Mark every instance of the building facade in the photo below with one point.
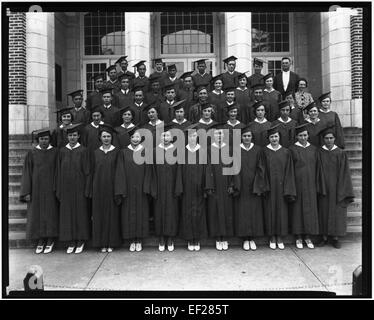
(51, 54)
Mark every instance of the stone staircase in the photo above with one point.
(19, 145)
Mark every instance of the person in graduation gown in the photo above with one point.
(90, 134)
(121, 137)
(129, 184)
(242, 97)
(248, 115)
(331, 117)
(222, 109)
(112, 83)
(154, 96)
(220, 201)
(304, 211)
(160, 183)
(172, 78)
(187, 92)
(217, 95)
(141, 80)
(232, 122)
(124, 96)
(80, 113)
(337, 193)
(201, 78)
(138, 106)
(106, 229)
(197, 109)
(193, 185)
(38, 190)
(122, 63)
(260, 125)
(276, 182)
(302, 97)
(257, 76)
(154, 122)
(248, 210)
(286, 125)
(72, 190)
(59, 136)
(95, 98)
(230, 77)
(159, 71)
(166, 109)
(109, 111)
(179, 121)
(206, 120)
(272, 96)
(297, 113)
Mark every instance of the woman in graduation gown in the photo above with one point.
(248, 210)
(59, 137)
(217, 95)
(220, 201)
(106, 230)
(243, 97)
(121, 137)
(277, 184)
(72, 190)
(38, 189)
(90, 135)
(129, 184)
(193, 184)
(160, 184)
(260, 125)
(304, 211)
(154, 122)
(337, 192)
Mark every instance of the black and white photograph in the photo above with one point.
(197, 150)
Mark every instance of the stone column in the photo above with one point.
(137, 37)
(239, 39)
(40, 71)
(336, 62)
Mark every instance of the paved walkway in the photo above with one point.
(322, 269)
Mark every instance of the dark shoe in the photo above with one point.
(336, 243)
(322, 243)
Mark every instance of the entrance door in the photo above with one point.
(189, 64)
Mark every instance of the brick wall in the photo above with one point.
(17, 58)
(356, 54)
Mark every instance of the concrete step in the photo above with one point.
(17, 211)
(357, 181)
(355, 161)
(16, 160)
(355, 206)
(355, 170)
(353, 137)
(354, 218)
(357, 191)
(352, 130)
(17, 224)
(15, 187)
(353, 144)
(15, 176)
(14, 198)
(18, 152)
(353, 153)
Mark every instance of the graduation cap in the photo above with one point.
(168, 86)
(258, 62)
(172, 66)
(283, 103)
(310, 106)
(157, 60)
(232, 107)
(228, 89)
(273, 129)
(217, 77)
(247, 128)
(192, 127)
(97, 108)
(287, 93)
(217, 125)
(150, 106)
(168, 127)
(98, 76)
(73, 128)
(201, 61)
(76, 93)
(154, 78)
(132, 130)
(138, 88)
(265, 77)
(121, 59)
(258, 104)
(199, 88)
(110, 68)
(178, 105)
(329, 129)
(41, 133)
(242, 75)
(257, 86)
(63, 111)
(231, 58)
(186, 75)
(324, 96)
(107, 128)
(125, 109)
(106, 90)
(301, 128)
(137, 65)
(205, 105)
(124, 76)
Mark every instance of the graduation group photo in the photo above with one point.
(186, 150)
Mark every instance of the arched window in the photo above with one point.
(186, 32)
(104, 33)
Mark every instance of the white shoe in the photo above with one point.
(110, 249)
(246, 245)
(79, 249)
(70, 250)
(197, 246)
(103, 250)
(225, 245)
(309, 243)
(161, 247)
(138, 247)
(171, 247)
(190, 247)
(219, 245)
(252, 244)
(132, 247)
(273, 245)
(299, 244)
(39, 249)
(280, 245)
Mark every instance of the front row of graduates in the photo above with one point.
(305, 187)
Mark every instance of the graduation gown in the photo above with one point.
(59, 137)
(255, 79)
(332, 118)
(220, 202)
(38, 181)
(192, 183)
(166, 111)
(201, 80)
(297, 114)
(106, 230)
(129, 184)
(154, 130)
(160, 184)
(216, 99)
(304, 211)
(248, 210)
(196, 113)
(122, 138)
(72, 190)
(140, 117)
(82, 115)
(337, 192)
(90, 137)
(152, 98)
(287, 132)
(273, 98)
(181, 126)
(141, 82)
(314, 130)
(260, 135)
(121, 99)
(243, 99)
(222, 115)
(230, 80)
(189, 96)
(112, 85)
(276, 182)
(93, 100)
(111, 115)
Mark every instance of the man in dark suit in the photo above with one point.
(286, 80)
